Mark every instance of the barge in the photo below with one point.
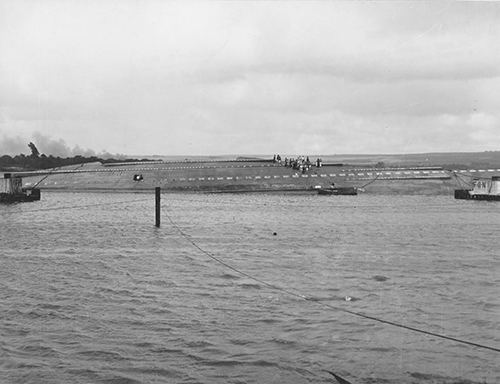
(12, 191)
(481, 190)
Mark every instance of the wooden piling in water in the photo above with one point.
(157, 206)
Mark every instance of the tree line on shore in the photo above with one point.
(37, 160)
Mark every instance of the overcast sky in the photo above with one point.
(242, 77)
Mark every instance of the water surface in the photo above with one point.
(92, 292)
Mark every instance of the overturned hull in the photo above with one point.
(239, 176)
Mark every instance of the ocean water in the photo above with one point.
(92, 292)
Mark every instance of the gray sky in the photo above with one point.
(303, 77)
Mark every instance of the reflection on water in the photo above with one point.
(97, 294)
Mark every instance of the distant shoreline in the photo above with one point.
(449, 160)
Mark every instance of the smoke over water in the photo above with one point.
(15, 145)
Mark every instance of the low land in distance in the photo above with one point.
(449, 160)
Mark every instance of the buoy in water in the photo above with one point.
(380, 278)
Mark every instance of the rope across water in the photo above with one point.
(321, 303)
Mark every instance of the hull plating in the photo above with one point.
(237, 176)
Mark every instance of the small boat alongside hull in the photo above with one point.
(345, 191)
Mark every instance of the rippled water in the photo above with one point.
(97, 294)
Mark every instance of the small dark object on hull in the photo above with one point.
(350, 191)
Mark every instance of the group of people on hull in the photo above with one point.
(300, 163)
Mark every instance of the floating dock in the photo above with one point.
(482, 190)
(12, 191)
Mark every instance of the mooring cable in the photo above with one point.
(371, 181)
(461, 182)
(52, 172)
(321, 303)
(465, 174)
(459, 177)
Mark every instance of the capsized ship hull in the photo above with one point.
(237, 176)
